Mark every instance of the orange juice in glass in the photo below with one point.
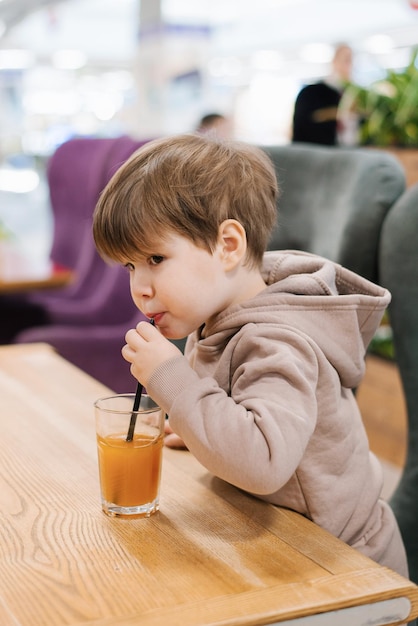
(129, 470)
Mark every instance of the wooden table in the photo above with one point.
(212, 555)
(50, 279)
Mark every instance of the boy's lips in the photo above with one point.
(156, 317)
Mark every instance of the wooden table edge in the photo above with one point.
(278, 602)
(58, 278)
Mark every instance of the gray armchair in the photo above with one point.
(350, 205)
(334, 201)
(398, 262)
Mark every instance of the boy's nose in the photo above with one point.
(140, 287)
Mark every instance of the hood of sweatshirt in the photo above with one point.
(332, 306)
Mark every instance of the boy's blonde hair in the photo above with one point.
(186, 185)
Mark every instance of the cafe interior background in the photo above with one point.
(148, 68)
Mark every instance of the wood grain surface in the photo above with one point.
(212, 555)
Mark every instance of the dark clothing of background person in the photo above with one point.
(315, 114)
(316, 117)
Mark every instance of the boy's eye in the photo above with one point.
(155, 259)
(129, 267)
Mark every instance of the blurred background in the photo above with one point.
(148, 68)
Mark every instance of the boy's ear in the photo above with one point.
(232, 242)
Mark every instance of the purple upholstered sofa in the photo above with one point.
(89, 318)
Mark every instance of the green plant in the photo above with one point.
(382, 342)
(388, 109)
(4, 232)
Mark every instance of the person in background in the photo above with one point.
(262, 395)
(216, 124)
(316, 116)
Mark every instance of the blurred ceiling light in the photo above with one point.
(267, 60)
(69, 59)
(114, 80)
(49, 102)
(379, 44)
(228, 66)
(317, 53)
(18, 181)
(122, 80)
(104, 111)
(398, 58)
(103, 105)
(16, 59)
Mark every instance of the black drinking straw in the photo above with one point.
(137, 402)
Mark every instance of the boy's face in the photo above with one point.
(181, 286)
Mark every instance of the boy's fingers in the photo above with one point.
(167, 428)
(147, 330)
(144, 330)
(174, 441)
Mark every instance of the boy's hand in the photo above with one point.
(146, 349)
(171, 440)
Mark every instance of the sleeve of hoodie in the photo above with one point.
(255, 437)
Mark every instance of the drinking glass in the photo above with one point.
(129, 464)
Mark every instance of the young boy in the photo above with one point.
(276, 341)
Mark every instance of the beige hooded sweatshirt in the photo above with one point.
(263, 398)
